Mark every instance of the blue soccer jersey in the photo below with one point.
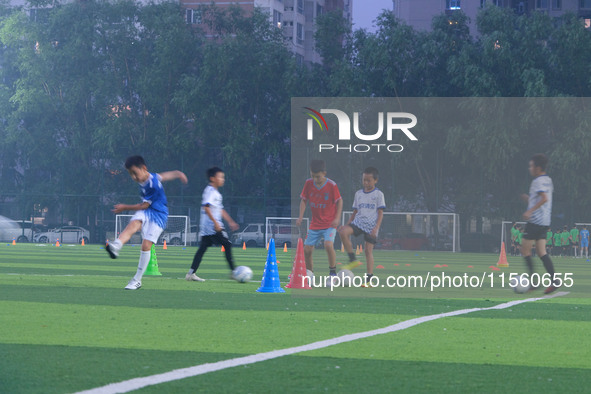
(584, 234)
(152, 192)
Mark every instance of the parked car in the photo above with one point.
(65, 234)
(478, 242)
(410, 241)
(254, 235)
(176, 238)
(21, 231)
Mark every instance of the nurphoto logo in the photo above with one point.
(395, 123)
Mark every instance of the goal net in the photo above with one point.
(414, 231)
(284, 231)
(176, 232)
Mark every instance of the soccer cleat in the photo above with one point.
(193, 278)
(351, 265)
(113, 252)
(550, 289)
(133, 285)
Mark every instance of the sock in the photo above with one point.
(141, 267)
(548, 265)
(368, 278)
(191, 271)
(529, 263)
(333, 271)
(351, 257)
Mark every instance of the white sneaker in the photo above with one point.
(112, 250)
(194, 278)
(133, 284)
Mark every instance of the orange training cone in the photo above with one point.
(14, 241)
(243, 245)
(107, 242)
(223, 249)
(57, 242)
(82, 243)
(164, 246)
(357, 250)
(298, 271)
(285, 247)
(360, 248)
(503, 257)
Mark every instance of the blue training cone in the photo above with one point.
(270, 282)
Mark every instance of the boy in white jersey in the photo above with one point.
(538, 215)
(151, 214)
(211, 227)
(368, 212)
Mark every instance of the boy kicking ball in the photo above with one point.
(368, 212)
(150, 217)
(211, 226)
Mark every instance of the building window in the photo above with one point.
(499, 3)
(556, 4)
(542, 4)
(301, 6)
(193, 17)
(277, 18)
(319, 10)
(452, 4)
(300, 34)
(482, 3)
(585, 4)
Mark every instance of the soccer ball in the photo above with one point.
(242, 274)
(520, 284)
(346, 277)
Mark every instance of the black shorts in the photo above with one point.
(368, 237)
(535, 232)
(220, 238)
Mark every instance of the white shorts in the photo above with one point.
(150, 230)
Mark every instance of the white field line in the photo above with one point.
(177, 374)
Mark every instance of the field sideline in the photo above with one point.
(67, 325)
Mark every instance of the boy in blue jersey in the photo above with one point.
(584, 235)
(211, 225)
(151, 214)
(538, 215)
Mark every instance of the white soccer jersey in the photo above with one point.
(542, 215)
(212, 198)
(367, 205)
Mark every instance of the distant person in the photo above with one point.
(368, 212)
(565, 240)
(514, 234)
(538, 216)
(584, 241)
(150, 217)
(211, 226)
(326, 205)
(557, 248)
(574, 238)
(549, 237)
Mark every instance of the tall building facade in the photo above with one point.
(419, 13)
(295, 18)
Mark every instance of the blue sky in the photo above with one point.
(365, 11)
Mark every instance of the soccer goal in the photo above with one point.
(284, 231)
(175, 233)
(415, 231)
